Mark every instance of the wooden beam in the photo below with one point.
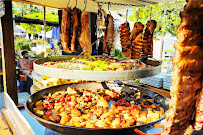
(8, 53)
(20, 19)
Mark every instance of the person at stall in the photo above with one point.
(24, 64)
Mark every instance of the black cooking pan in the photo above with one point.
(29, 105)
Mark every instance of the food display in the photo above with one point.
(187, 73)
(85, 36)
(98, 108)
(148, 37)
(46, 81)
(65, 30)
(136, 37)
(125, 39)
(75, 28)
(97, 63)
(198, 125)
(108, 35)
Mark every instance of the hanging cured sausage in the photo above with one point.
(65, 30)
(108, 35)
(125, 39)
(85, 36)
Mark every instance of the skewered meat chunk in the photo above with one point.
(75, 25)
(148, 37)
(125, 39)
(85, 37)
(186, 77)
(136, 38)
(138, 27)
(65, 30)
(108, 34)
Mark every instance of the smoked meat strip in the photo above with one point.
(186, 77)
(148, 37)
(85, 36)
(65, 30)
(75, 25)
(136, 38)
(108, 35)
(125, 39)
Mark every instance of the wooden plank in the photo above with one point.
(17, 122)
(93, 31)
(161, 91)
(4, 127)
(8, 53)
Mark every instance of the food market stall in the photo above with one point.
(34, 107)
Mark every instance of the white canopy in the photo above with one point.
(92, 4)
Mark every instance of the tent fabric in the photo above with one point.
(92, 4)
(55, 37)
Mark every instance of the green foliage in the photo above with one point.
(17, 55)
(22, 44)
(37, 41)
(36, 28)
(34, 12)
(167, 17)
(118, 52)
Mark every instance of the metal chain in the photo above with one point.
(119, 4)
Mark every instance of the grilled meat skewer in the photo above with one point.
(186, 77)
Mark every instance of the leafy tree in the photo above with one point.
(22, 44)
(167, 17)
(34, 12)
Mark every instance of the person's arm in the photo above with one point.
(21, 65)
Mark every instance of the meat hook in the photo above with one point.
(85, 2)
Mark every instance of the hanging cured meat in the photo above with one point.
(136, 38)
(186, 77)
(75, 26)
(148, 37)
(85, 36)
(198, 125)
(65, 30)
(125, 39)
(108, 34)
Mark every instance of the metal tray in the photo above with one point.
(95, 75)
(29, 105)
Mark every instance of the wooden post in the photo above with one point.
(93, 32)
(8, 53)
(45, 47)
(162, 37)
